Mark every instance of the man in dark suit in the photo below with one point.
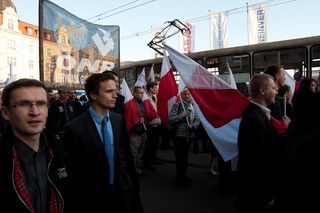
(255, 144)
(100, 162)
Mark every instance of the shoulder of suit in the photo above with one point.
(115, 115)
(81, 120)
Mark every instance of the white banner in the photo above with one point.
(257, 23)
(186, 40)
(219, 30)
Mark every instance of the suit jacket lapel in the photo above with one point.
(268, 121)
(91, 128)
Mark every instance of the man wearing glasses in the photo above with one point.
(33, 177)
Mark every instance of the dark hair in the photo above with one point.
(93, 83)
(135, 89)
(298, 76)
(24, 82)
(305, 83)
(283, 90)
(112, 72)
(62, 89)
(150, 85)
(272, 70)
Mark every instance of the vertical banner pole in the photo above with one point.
(41, 73)
(247, 21)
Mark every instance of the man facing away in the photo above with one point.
(256, 149)
(100, 161)
(33, 176)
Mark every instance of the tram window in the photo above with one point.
(199, 61)
(239, 64)
(315, 63)
(290, 59)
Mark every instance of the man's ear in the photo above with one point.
(93, 96)
(262, 91)
(5, 112)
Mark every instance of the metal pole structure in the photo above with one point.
(247, 21)
(210, 30)
(10, 70)
(41, 71)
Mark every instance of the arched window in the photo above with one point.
(10, 24)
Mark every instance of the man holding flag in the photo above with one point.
(138, 133)
(153, 134)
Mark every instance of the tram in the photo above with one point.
(296, 55)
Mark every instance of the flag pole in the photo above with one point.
(284, 106)
(210, 33)
(183, 108)
(144, 126)
(40, 11)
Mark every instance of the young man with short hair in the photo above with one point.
(33, 176)
(256, 142)
(101, 165)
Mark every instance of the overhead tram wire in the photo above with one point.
(197, 19)
(237, 10)
(121, 11)
(74, 27)
(109, 11)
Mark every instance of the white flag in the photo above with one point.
(291, 82)
(219, 30)
(186, 40)
(151, 76)
(232, 82)
(257, 23)
(141, 81)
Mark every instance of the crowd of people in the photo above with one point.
(60, 154)
(277, 170)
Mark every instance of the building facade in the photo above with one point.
(19, 46)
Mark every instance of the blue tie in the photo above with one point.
(108, 147)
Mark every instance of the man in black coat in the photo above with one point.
(105, 179)
(61, 112)
(255, 144)
(33, 175)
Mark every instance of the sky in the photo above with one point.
(287, 19)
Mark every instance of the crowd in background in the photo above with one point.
(60, 153)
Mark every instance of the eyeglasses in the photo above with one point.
(27, 105)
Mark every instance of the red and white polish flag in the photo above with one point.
(132, 114)
(151, 112)
(168, 90)
(219, 106)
